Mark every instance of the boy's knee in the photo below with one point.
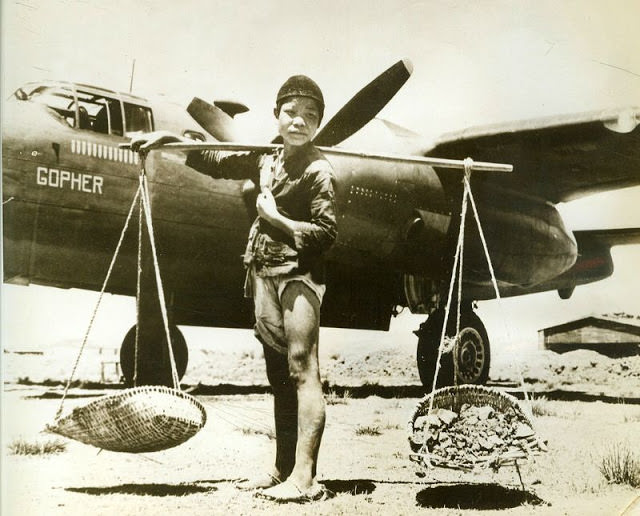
(302, 366)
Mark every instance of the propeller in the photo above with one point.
(354, 115)
(364, 105)
(212, 119)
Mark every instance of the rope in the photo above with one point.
(456, 263)
(138, 282)
(163, 308)
(95, 310)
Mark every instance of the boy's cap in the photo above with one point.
(300, 86)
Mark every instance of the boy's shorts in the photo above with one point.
(267, 296)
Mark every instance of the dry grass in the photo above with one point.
(621, 465)
(368, 430)
(540, 406)
(270, 434)
(333, 398)
(632, 418)
(48, 447)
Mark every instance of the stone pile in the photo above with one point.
(478, 435)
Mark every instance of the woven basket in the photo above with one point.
(453, 398)
(142, 419)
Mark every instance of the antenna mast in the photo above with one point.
(133, 69)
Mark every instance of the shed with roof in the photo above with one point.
(614, 335)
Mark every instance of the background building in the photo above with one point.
(613, 335)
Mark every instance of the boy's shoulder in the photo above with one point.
(317, 162)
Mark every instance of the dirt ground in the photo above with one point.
(364, 457)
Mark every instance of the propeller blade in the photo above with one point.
(231, 107)
(212, 119)
(365, 105)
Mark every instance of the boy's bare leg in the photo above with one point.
(301, 322)
(285, 411)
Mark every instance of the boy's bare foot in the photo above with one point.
(288, 491)
(263, 482)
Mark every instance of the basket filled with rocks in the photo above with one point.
(471, 427)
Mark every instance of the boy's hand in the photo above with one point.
(143, 143)
(266, 205)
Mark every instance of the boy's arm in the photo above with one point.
(217, 164)
(226, 165)
(320, 232)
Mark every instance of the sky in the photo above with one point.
(475, 63)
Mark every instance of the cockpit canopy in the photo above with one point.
(90, 108)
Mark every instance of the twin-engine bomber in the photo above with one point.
(68, 184)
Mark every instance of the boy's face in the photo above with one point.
(298, 120)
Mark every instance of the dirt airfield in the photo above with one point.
(586, 403)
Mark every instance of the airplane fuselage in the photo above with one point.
(67, 192)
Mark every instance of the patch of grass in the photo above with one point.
(334, 398)
(632, 418)
(621, 465)
(540, 406)
(267, 432)
(368, 430)
(48, 447)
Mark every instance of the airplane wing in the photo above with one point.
(608, 237)
(557, 158)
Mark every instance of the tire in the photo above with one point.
(473, 351)
(154, 367)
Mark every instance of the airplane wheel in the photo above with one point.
(473, 352)
(154, 367)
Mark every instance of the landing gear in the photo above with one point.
(473, 354)
(154, 366)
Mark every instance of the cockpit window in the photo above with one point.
(59, 99)
(138, 119)
(108, 116)
(90, 111)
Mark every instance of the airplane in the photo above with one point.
(69, 180)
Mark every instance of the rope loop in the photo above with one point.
(468, 167)
(448, 343)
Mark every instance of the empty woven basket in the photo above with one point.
(142, 419)
(454, 399)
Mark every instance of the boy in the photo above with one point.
(296, 224)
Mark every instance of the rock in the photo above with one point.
(496, 441)
(472, 419)
(523, 431)
(420, 423)
(477, 434)
(485, 444)
(418, 438)
(484, 413)
(433, 420)
(446, 416)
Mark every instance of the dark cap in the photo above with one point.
(301, 86)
